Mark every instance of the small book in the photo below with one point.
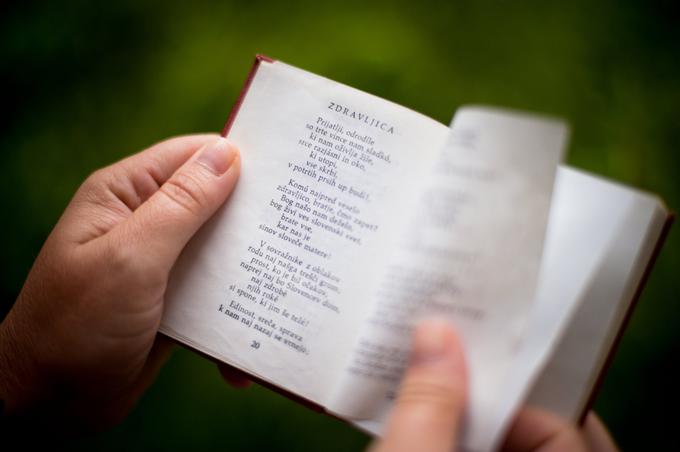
(355, 218)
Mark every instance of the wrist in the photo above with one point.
(20, 380)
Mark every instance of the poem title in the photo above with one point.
(363, 117)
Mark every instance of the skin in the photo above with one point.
(81, 338)
(431, 403)
(80, 345)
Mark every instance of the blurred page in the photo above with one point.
(472, 255)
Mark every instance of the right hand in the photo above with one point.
(539, 430)
(432, 400)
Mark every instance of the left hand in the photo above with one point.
(80, 342)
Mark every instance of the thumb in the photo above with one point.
(430, 404)
(163, 224)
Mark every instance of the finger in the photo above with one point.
(538, 430)
(596, 435)
(160, 228)
(431, 401)
(110, 195)
(136, 178)
(234, 377)
(158, 355)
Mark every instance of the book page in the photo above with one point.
(597, 232)
(621, 226)
(600, 239)
(471, 255)
(599, 242)
(277, 282)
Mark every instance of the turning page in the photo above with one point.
(471, 255)
(276, 283)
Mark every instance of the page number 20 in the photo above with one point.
(255, 345)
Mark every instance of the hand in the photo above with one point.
(80, 342)
(431, 402)
(539, 430)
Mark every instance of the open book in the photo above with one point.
(355, 218)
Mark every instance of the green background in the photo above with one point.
(86, 83)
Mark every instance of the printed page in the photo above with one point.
(277, 282)
(472, 255)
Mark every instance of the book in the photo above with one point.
(355, 218)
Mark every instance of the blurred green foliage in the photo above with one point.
(86, 83)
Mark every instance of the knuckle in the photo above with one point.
(99, 186)
(98, 175)
(186, 190)
(95, 180)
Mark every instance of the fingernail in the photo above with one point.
(433, 341)
(217, 156)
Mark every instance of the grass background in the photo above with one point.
(86, 83)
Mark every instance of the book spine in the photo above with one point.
(242, 95)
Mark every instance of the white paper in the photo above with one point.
(277, 282)
(471, 255)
